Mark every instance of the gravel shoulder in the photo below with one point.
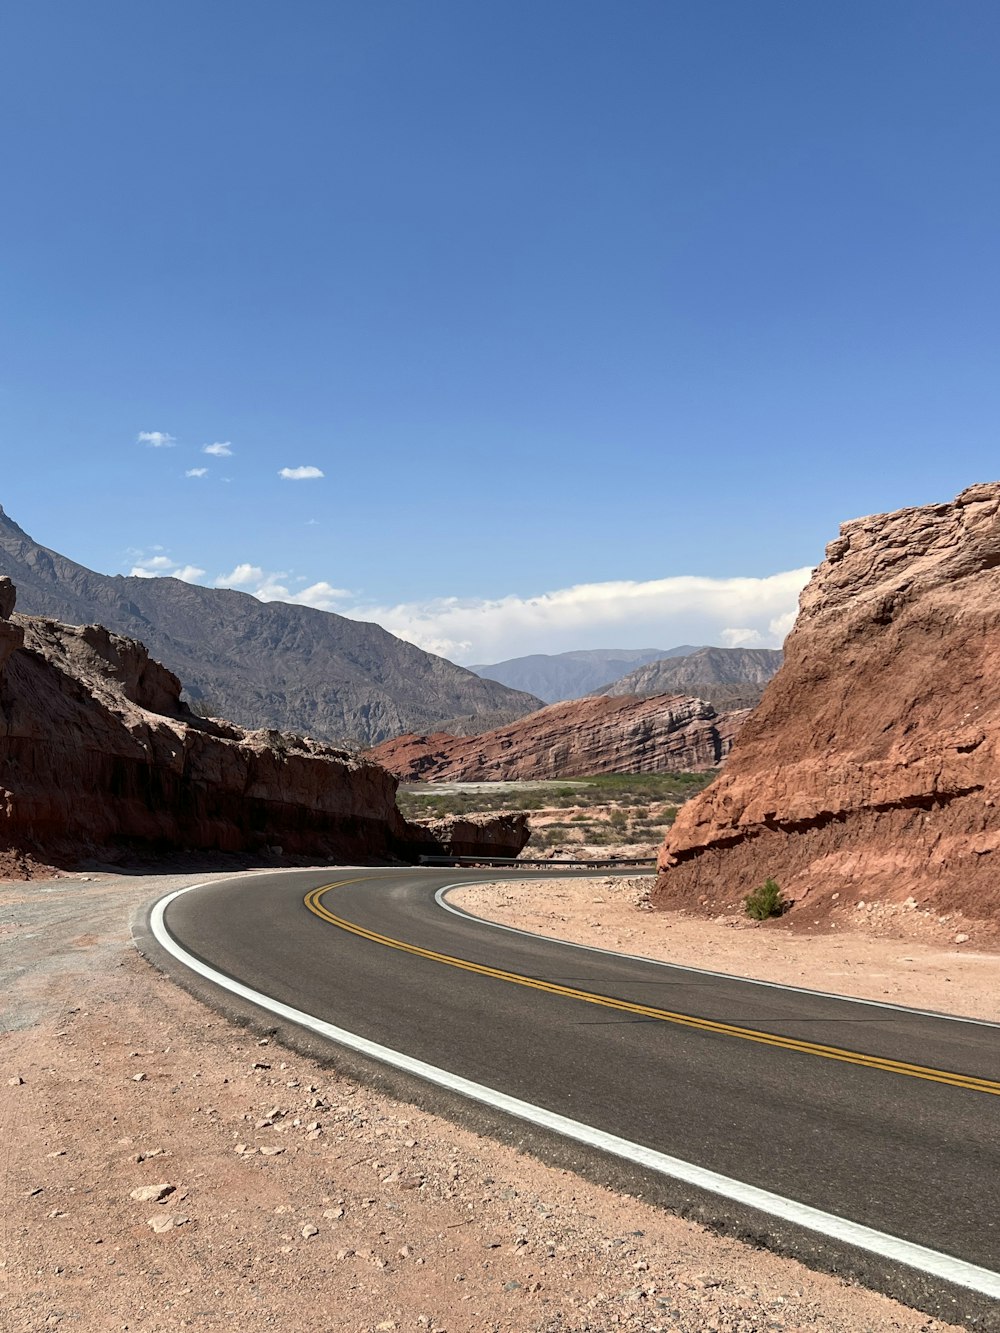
(163, 1169)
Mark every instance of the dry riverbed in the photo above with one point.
(162, 1169)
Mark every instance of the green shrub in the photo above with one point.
(765, 902)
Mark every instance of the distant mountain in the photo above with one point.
(264, 664)
(557, 676)
(726, 677)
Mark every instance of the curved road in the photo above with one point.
(827, 1121)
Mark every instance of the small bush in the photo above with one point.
(764, 902)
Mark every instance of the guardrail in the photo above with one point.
(548, 862)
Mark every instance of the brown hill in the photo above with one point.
(264, 664)
(667, 734)
(98, 752)
(871, 768)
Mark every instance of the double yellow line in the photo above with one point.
(313, 900)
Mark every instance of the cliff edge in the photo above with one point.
(870, 767)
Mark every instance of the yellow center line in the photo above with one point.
(313, 900)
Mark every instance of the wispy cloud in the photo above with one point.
(220, 449)
(300, 473)
(272, 587)
(156, 439)
(196, 472)
(154, 565)
(164, 566)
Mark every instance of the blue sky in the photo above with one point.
(570, 303)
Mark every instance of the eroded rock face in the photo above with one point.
(97, 751)
(498, 835)
(665, 733)
(870, 768)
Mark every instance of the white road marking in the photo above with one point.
(441, 899)
(925, 1260)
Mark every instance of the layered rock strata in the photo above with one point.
(668, 733)
(871, 768)
(97, 751)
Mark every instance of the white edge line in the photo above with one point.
(925, 1260)
(441, 899)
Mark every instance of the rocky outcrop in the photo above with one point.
(97, 751)
(871, 768)
(264, 664)
(489, 836)
(596, 735)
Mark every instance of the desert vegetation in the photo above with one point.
(630, 811)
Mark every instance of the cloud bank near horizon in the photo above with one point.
(658, 613)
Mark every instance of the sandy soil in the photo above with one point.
(162, 1169)
(876, 951)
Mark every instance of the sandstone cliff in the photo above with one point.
(870, 769)
(596, 735)
(97, 751)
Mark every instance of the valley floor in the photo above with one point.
(308, 1203)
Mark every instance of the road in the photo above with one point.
(882, 1119)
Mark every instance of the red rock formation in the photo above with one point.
(870, 768)
(662, 734)
(97, 751)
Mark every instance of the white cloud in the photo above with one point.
(196, 471)
(742, 638)
(299, 473)
(241, 576)
(156, 439)
(659, 613)
(220, 449)
(270, 587)
(164, 566)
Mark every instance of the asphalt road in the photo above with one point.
(887, 1117)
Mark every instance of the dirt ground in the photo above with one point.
(162, 1169)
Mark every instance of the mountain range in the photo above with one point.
(726, 677)
(558, 676)
(265, 664)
